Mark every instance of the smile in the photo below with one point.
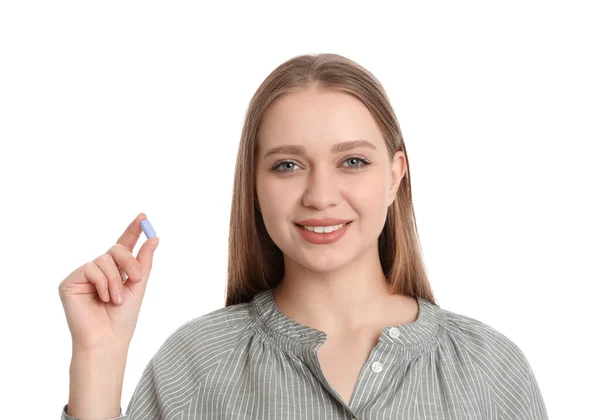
(312, 235)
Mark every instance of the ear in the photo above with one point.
(398, 167)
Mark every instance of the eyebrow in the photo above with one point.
(295, 149)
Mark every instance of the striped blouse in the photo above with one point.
(250, 361)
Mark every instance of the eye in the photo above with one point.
(364, 164)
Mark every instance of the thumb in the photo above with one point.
(145, 256)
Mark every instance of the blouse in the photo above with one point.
(250, 361)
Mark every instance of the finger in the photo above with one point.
(125, 276)
(107, 264)
(128, 266)
(132, 234)
(94, 275)
(145, 256)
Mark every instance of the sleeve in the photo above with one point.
(166, 375)
(65, 416)
(517, 393)
(512, 391)
(537, 407)
(146, 400)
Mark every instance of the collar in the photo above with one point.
(422, 333)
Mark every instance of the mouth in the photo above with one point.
(347, 223)
(324, 238)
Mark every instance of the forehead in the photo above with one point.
(317, 118)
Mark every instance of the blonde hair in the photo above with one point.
(255, 263)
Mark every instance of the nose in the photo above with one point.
(322, 189)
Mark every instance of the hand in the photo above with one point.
(89, 294)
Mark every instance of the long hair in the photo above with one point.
(255, 263)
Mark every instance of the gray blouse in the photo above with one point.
(250, 361)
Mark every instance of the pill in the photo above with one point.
(147, 228)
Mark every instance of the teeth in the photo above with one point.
(323, 229)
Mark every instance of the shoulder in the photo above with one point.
(498, 360)
(485, 343)
(202, 341)
(187, 355)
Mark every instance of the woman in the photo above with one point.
(331, 323)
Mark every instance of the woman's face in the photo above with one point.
(320, 184)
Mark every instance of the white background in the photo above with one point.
(108, 109)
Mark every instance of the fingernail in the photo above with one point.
(119, 296)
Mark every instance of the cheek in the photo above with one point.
(369, 203)
(276, 201)
(368, 193)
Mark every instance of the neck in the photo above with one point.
(353, 297)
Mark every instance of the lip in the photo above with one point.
(323, 238)
(323, 222)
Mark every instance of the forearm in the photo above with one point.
(96, 384)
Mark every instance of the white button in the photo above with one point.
(394, 332)
(376, 367)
